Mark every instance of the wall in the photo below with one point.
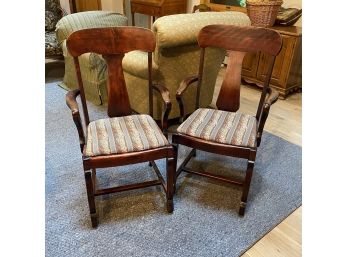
(112, 5)
(191, 3)
(294, 4)
(65, 5)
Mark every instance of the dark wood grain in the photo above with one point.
(180, 91)
(118, 100)
(241, 38)
(212, 147)
(167, 106)
(200, 77)
(112, 44)
(73, 105)
(108, 41)
(237, 41)
(81, 90)
(106, 161)
(229, 96)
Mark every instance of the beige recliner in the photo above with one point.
(93, 67)
(177, 57)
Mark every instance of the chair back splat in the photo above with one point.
(112, 44)
(237, 41)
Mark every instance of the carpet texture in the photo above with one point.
(135, 223)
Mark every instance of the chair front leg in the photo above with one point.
(176, 148)
(90, 195)
(171, 168)
(246, 186)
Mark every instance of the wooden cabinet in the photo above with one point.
(287, 71)
(218, 6)
(157, 8)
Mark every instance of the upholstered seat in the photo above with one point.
(126, 134)
(232, 128)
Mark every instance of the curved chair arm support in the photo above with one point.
(182, 88)
(271, 98)
(167, 106)
(72, 104)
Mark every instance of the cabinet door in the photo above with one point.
(250, 62)
(282, 63)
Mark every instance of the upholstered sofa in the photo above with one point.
(92, 65)
(177, 57)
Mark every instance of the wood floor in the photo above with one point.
(285, 121)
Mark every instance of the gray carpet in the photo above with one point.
(135, 223)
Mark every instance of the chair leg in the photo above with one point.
(258, 139)
(176, 147)
(171, 168)
(246, 187)
(194, 153)
(90, 194)
(94, 178)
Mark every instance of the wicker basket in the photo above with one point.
(263, 13)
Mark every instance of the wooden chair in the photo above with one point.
(225, 131)
(123, 138)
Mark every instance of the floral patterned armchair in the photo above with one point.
(53, 13)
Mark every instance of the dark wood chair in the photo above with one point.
(224, 130)
(123, 138)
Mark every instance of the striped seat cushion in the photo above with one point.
(123, 135)
(220, 126)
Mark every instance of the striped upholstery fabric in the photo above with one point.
(221, 127)
(123, 135)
